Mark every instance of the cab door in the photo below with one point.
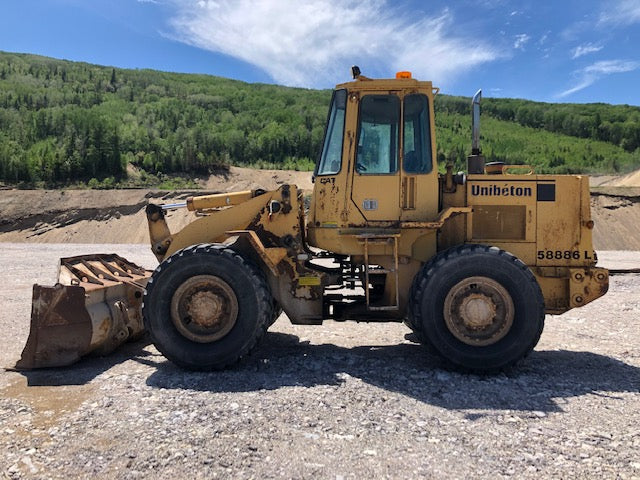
(394, 176)
(375, 180)
(419, 177)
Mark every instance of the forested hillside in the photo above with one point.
(555, 137)
(63, 122)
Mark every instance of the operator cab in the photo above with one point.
(377, 166)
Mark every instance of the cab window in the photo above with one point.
(417, 135)
(331, 157)
(378, 135)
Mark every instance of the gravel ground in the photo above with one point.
(338, 401)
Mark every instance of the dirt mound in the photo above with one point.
(117, 216)
(617, 220)
(79, 216)
(250, 179)
(630, 180)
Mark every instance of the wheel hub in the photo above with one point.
(478, 311)
(204, 308)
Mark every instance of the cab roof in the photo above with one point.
(386, 84)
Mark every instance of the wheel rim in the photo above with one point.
(204, 308)
(478, 311)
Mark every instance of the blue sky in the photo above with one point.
(555, 51)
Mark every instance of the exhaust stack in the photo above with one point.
(475, 123)
(475, 161)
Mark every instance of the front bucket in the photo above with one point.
(95, 307)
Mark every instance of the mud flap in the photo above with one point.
(95, 307)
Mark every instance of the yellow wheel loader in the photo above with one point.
(471, 262)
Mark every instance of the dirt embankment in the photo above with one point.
(616, 213)
(79, 216)
(117, 216)
(615, 207)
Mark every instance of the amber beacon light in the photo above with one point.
(403, 75)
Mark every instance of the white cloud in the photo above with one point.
(520, 41)
(576, 30)
(313, 43)
(585, 49)
(592, 73)
(607, 67)
(621, 12)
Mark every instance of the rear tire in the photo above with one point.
(206, 306)
(478, 307)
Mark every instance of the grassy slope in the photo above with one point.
(548, 152)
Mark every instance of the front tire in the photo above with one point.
(277, 311)
(479, 307)
(206, 306)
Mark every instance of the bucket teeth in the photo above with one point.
(95, 307)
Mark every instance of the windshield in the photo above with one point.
(331, 157)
